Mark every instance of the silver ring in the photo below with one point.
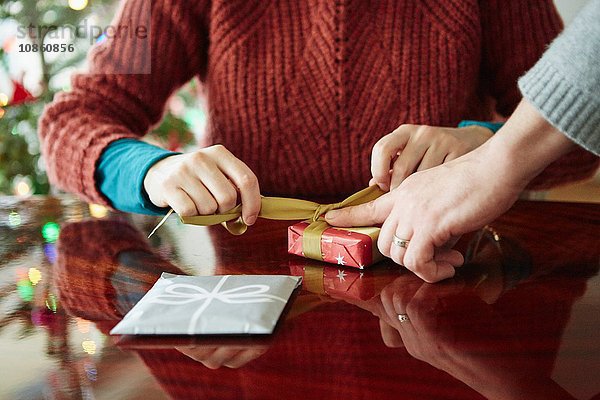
(403, 318)
(401, 242)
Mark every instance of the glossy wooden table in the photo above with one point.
(521, 320)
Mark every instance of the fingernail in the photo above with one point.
(332, 214)
(251, 220)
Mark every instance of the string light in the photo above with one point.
(22, 186)
(25, 289)
(35, 275)
(52, 303)
(89, 346)
(14, 219)
(22, 189)
(3, 99)
(50, 252)
(78, 5)
(98, 211)
(50, 231)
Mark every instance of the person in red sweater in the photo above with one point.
(298, 94)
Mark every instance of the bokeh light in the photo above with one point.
(3, 99)
(89, 346)
(22, 186)
(50, 231)
(98, 211)
(50, 252)
(14, 219)
(52, 303)
(21, 273)
(35, 275)
(78, 5)
(25, 289)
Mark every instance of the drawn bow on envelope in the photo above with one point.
(184, 293)
(210, 305)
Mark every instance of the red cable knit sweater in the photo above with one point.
(301, 90)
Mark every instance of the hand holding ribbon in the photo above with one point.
(279, 208)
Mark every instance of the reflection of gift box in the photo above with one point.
(350, 247)
(342, 283)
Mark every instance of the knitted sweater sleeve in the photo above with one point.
(515, 35)
(565, 84)
(104, 105)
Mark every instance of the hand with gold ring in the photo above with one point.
(432, 206)
(429, 258)
(400, 242)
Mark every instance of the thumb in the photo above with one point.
(371, 213)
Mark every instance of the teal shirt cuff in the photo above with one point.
(493, 126)
(121, 171)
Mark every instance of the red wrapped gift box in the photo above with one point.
(350, 247)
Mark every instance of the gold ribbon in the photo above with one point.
(279, 208)
(313, 279)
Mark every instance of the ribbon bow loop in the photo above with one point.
(279, 208)
(323, 209)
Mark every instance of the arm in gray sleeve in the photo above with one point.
(565, 84)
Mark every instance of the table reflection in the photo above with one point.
(100, 280)
(495, 329)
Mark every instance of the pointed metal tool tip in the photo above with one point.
(162, 221)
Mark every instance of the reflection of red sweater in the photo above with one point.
(300, 90)
(90, 254)
(312, 358)
(334, 351)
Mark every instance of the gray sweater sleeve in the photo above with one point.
(565, 84)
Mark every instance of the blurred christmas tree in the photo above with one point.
(29, 80)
